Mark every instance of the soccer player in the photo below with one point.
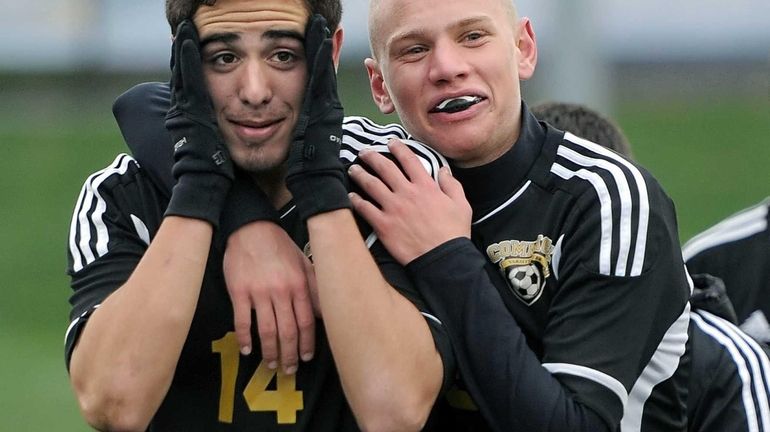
(568, 310)
(737, 250)
(152, 343)
(576, 242)
(729, 377)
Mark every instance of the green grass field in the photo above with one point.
(712, 158)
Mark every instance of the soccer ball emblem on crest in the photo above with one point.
(525, 281)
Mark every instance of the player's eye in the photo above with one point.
(222, 61)
(412, 52)
(284, 58)
(225, 58)
(473, 37)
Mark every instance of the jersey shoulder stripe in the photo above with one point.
(739, 226)
(612, 178)
(89, 236)
(753, 366)
(361, 132)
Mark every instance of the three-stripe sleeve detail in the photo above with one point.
(612, 177)
(360, 133)
(751, 362)
(88, 216)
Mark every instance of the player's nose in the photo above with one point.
(254, 84)
(447, 62)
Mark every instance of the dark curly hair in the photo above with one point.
(584, 122)
(179, 10)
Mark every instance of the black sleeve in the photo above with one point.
(729, 388)
(116, 215)
(141, 114)
(502, 373)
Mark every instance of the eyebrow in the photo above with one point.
(283, 34)
(229, 37)
(219, 37)
(420, 33)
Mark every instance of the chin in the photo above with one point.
(453, 142)
(258, 162)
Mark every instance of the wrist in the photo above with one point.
(199, 196)
(319, 192)
(246, 203)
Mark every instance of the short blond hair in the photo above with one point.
(374, 27)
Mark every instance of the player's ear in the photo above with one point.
(526, 47)
(378, 87)
(337, 39)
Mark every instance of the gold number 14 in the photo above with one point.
(285, 400)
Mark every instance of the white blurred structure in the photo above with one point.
(64, 34)
(578, 39)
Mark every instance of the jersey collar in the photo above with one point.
(487, 185)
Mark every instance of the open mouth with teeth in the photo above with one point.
(453, 105)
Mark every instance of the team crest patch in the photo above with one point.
(524, 264)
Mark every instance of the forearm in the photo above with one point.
(504, 376)
(125, 358)
(382, 345)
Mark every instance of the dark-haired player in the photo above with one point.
(152, 344)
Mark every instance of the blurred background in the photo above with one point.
(688, 81)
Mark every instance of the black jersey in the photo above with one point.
(612, 329)
(738, 251)
(214, 388)
(582, 247)
(727, 392)
(730, 385)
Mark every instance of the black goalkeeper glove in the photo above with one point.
(316, 177)
(202, 168)
(710, 294)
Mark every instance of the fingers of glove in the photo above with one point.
(316, 32)
(321, 89)
(194, 86)
(323, 80)
(184, 32)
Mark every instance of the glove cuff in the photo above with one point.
(245, 203)
(319, 192)
(199, 196)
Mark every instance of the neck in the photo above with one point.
(273, 184)
(500, 142)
